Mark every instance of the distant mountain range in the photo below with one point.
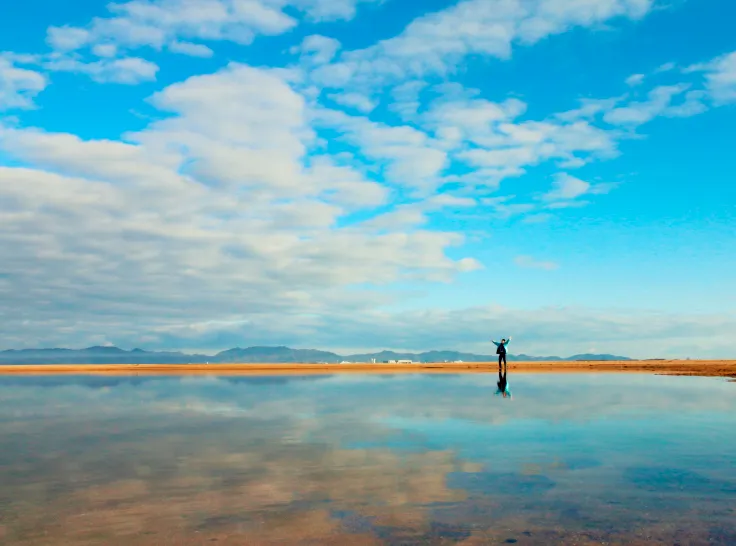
(114, 355)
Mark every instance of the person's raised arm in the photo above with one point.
(494, 342)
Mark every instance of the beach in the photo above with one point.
(703, 368)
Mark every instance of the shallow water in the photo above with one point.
(367, 459)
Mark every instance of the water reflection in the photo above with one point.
(367, 460)
(503, 383)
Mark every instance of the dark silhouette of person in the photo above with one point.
(501, 350)
(503, 384)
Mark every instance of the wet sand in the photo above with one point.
(703, 368)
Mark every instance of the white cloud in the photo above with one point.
(214, 212)
(107, 160)
(242, 126)
(503, 209)
(589, 109)
(509, 148)
(193, 50)
(529, 262)
(330, 10)
(475, 120)
(638, 113)
(436, 42)
(162, 22)
(659, 103)
(67, 38)
(567, 188)
(683, 99)
(357, 101)
(18, 86)
(488, 137)
(693, 104)
(721, 79)
(317, 49)
(538, 331)
(409, 215)
(406, 98)
(344, 185)
(180, 24)
(105, 50)
(410, 157)
(127, 70)
(234, 191)
(635, 80)
(502, 141)
(401, 217)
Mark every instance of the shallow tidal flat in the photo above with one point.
(410, 458)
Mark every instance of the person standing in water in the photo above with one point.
(501, 350)
(503, 384)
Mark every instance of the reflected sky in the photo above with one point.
(367, 459)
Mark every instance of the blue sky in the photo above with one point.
(356, 175)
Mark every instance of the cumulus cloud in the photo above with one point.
(488, 137)
(721, 79)
(410, 157)
(249, 202)
(217, 199)
(18, 86)
(181, 24)
(137, 23)
(67, 154)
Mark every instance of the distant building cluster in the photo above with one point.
(373, 361)
(399, 362)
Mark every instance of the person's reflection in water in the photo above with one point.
(503, 384)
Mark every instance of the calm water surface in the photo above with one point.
(367, 459)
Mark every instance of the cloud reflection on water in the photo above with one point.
(365, 459)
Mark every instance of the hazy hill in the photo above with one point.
(275, 354)
(452, 356)
(95, 355)
(115, 355)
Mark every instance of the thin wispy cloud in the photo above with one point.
(528, 262)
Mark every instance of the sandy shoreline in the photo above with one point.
(708, 368)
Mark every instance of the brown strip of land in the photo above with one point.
(709, 368)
